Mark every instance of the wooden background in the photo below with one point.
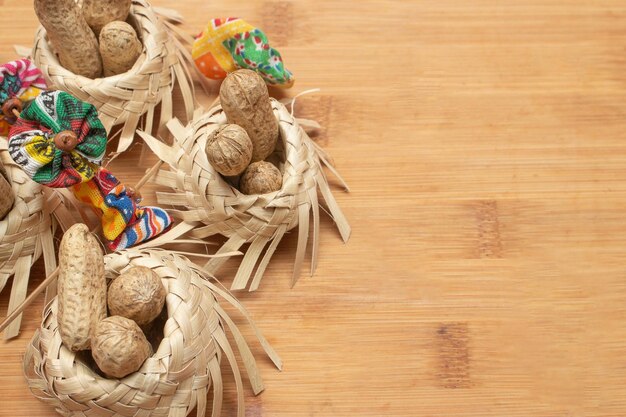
(485, 144)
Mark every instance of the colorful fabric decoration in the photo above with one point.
(19, 79)
(230, 44)
(31, 140)
(59, 141)
(124, 223)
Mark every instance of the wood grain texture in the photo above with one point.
(485, 145)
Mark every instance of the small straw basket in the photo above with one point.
(26, 233)
(185, 365)
(125, 98)
(209, 205)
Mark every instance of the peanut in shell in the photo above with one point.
(246, 102)
(81, 287)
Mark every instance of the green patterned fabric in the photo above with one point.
(229, 44)
(252, 50)
(31, 140)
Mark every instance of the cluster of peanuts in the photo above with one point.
(134, 299)
(239, 149)
(92, 40)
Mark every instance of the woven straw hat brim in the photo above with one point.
(178, 376)
(208, 205)
(125, 98)
(26, 233)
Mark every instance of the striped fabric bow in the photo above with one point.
(19, 79)
(124, 222)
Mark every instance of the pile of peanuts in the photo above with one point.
(94, 40)
(240, 148)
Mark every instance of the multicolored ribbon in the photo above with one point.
(229, 44)
(31, 140)
(19, 79)
(36, 143)
(124, 223)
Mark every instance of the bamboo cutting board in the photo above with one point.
(485, 144)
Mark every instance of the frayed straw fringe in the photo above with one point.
(125, 99)
(207, 205)
(178, 377)
(26, 233)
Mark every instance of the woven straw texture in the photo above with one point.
(208, 205)
(185, 365)
(125, 98)
(26, 233)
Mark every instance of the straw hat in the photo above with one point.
(208, 205)
(123, 99)
(26, 232)
(176, 378)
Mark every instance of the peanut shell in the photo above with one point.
(137, 294)
(229, 149)
(260, 178)
(119, 347)
(119, 48)
(7, 198)
(71, 36)
(98, 13)
(81, 287)
(246, 102)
